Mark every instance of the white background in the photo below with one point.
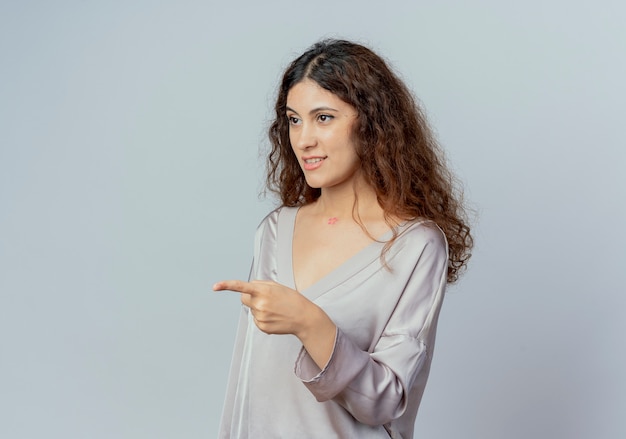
(131, 156)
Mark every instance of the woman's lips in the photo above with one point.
(312, 163)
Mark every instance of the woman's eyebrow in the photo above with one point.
(314, 110)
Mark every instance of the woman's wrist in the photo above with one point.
(314, 322)
(317, 335)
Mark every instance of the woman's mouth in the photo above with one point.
(312, 163)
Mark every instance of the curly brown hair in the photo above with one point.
(400, 157)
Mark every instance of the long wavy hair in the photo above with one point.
(400, 157)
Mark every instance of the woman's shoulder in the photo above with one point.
(422, 233)
(269, 224)
(273, 217)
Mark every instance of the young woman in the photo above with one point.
(337, 330)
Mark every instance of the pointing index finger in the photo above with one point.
(234, 285)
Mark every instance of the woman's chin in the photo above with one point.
(315, 184)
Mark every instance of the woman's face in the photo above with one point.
(320, 131)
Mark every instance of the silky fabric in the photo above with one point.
(386, 319)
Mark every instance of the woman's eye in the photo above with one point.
(324, 117)
(293, 120)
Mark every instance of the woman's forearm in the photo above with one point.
(317, 335)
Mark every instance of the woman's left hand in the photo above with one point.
(276, 308)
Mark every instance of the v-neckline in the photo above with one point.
(344, 271)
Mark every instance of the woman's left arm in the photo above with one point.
(372, 386)
(376, 386)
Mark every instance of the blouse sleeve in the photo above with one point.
(374, 386)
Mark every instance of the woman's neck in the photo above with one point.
(341, 202)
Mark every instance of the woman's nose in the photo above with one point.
(305, 137)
